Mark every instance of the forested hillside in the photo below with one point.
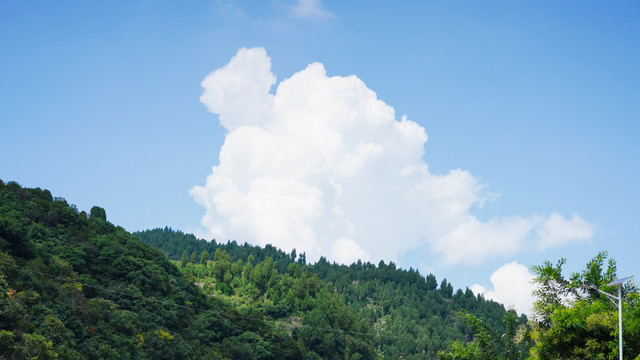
(74, 286)
(409, 315)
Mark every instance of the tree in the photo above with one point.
(431, 281)
(446, 288)
(194, 257)
(488, 344)
(574, 323)
(393, 301)
(98, 213)
(183, 258)
(204, 257)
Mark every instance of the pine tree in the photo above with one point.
(183, 258)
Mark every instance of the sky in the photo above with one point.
(471, 140)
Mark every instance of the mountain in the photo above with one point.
(75, 286)
(408, 315)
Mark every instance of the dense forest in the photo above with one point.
(412, 316)
(74, 286)
(409, 315)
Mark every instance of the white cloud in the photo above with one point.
(324, 166)
(310, 9)
(473, 241)
(556, 231)
(347, 251)
(512, 287)
(245, 80)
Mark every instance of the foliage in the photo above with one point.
(513, 344)
(296, 300)
(174, 243)
(575, 322)
(74, 286)
(407, 315)
(572, 320)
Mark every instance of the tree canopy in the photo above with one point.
(571, 319)
(575, 322)
(74, 286)
(407, 314)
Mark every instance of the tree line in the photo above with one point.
(75, 286)
(408, 315)
(571, 319)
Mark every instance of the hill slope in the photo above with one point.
(74, 286)
(410, 315)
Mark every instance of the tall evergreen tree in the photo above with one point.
(204, 257)
(183, 258)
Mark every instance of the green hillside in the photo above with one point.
(74, 286)
(409, 315)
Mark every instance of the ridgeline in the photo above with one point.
(408, 315)
(75, 286)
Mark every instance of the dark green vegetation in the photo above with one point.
(587, 326)
(491, 344)
(406, 314)
(74, 286)
(571, 322)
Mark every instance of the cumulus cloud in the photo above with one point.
(324, 166)
(473, 241)
(556, 231)
(512, 286)
(310, 9)
(246, 80)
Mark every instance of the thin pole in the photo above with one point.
(620, 318)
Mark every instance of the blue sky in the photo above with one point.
(535, 101)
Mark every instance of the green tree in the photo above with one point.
(204, 257)
(194, 257)
(446, 288)
(394, 302)
(221, 266)
(98, 213)
(575, 323)
(488, 344)
(184, 259)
